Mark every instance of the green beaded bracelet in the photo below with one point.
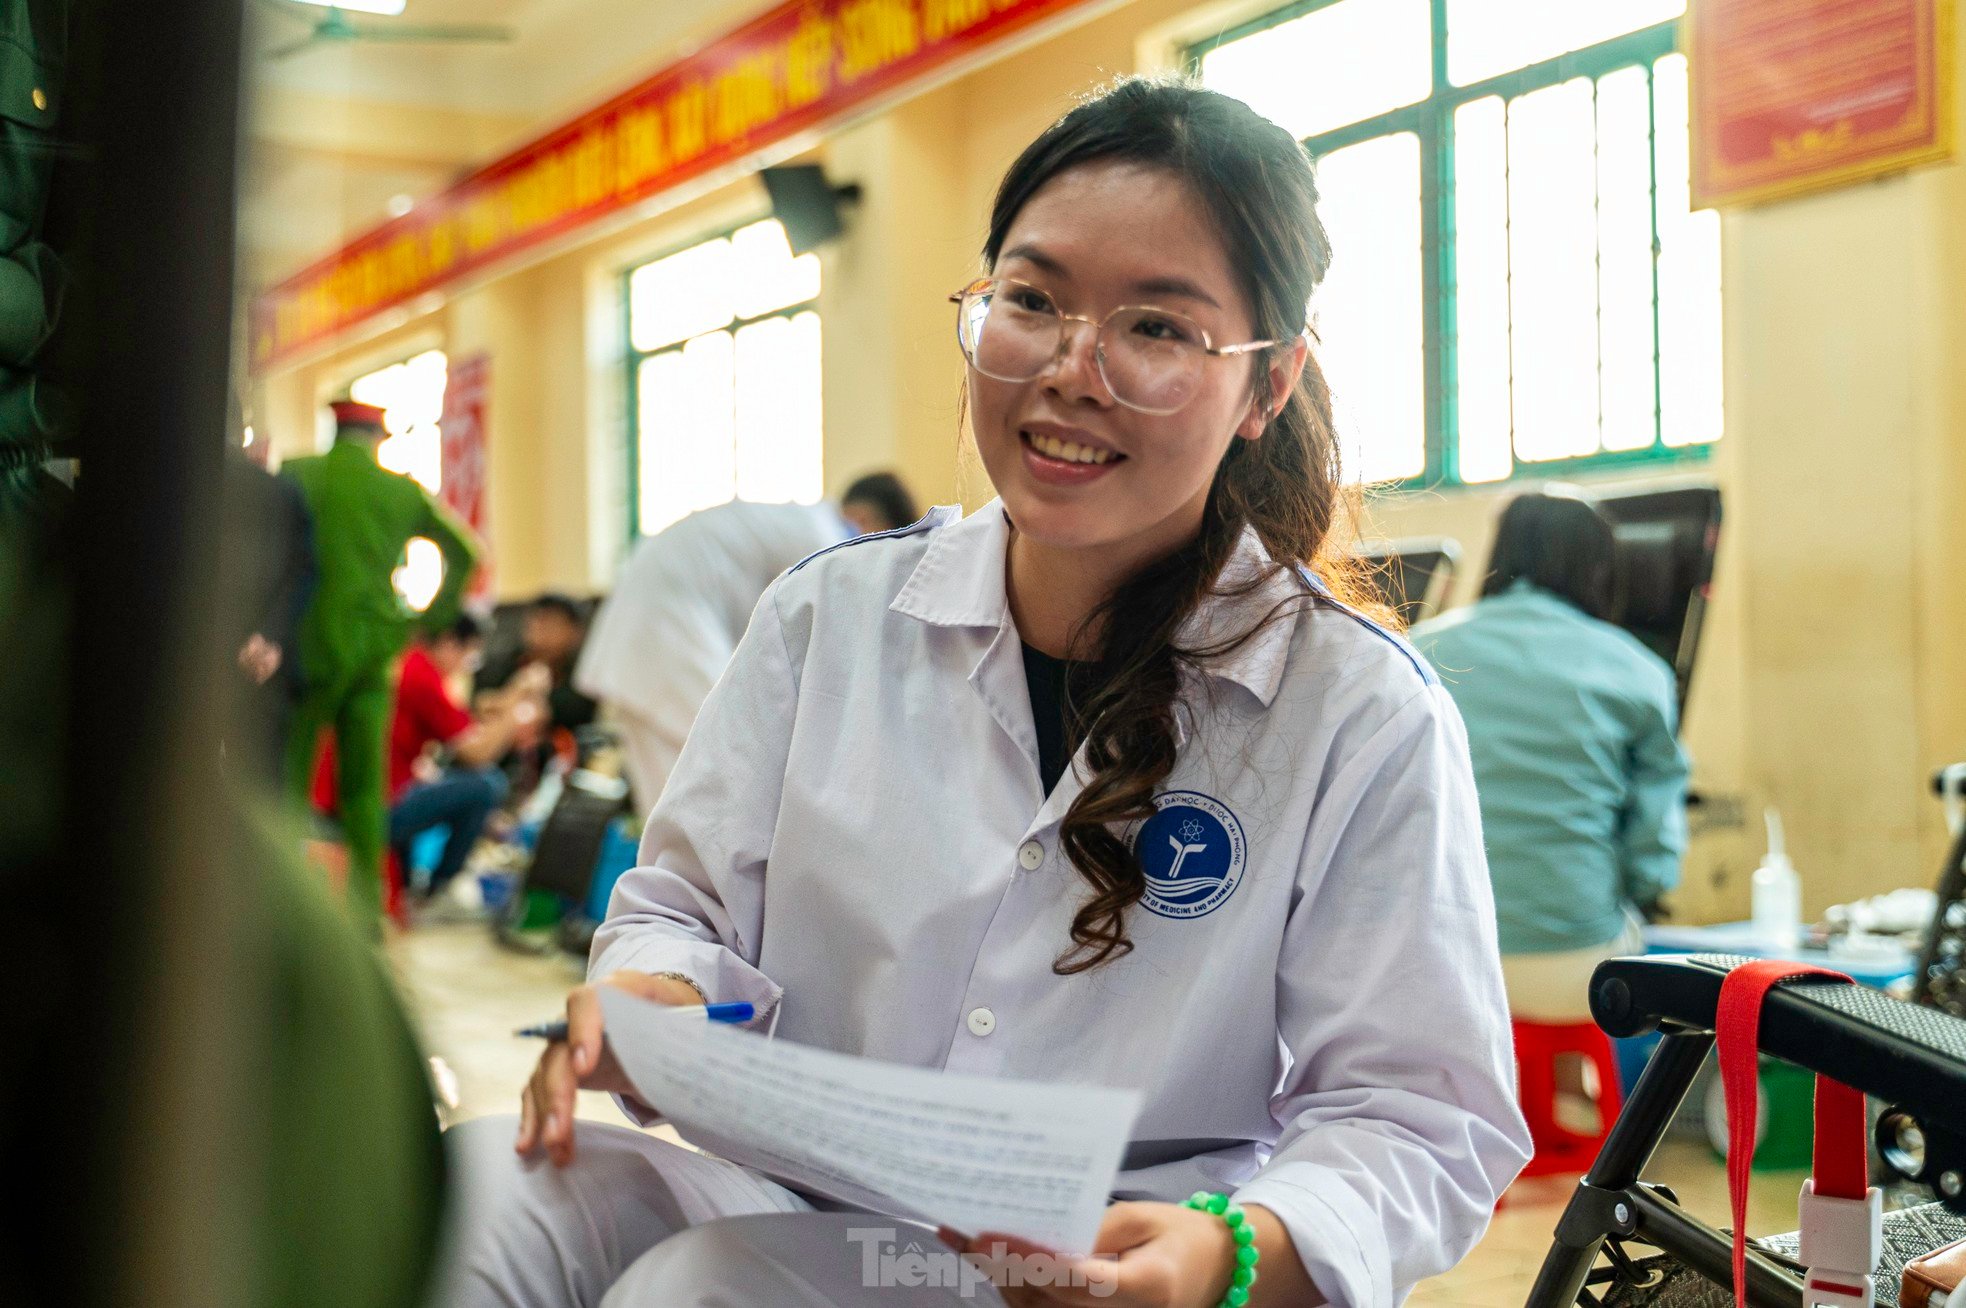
(1245, 1237)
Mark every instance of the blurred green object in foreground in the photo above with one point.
(351, 1166)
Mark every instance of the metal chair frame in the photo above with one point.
(1912, 1058)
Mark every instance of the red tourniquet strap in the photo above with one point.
(1842, 1171)
(1842, 1156)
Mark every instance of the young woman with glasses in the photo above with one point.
(1103, 783)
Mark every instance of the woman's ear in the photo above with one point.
(1285, 369)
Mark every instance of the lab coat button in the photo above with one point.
(982, 1021)
(1031, 856)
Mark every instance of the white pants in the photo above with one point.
(638, 1222)
(1555, 987)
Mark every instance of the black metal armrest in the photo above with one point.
(1910, 1056)
(1914, 1058)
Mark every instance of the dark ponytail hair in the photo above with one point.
(1563, 544)
(1255, 182)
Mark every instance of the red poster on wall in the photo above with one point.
(1798, 95)
(463, 427)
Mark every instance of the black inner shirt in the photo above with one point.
(1047, 677)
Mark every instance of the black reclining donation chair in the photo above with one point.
(1911, 1059)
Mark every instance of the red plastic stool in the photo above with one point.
(1537, 1046)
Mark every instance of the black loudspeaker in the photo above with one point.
(807, 204)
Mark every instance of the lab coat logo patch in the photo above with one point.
(1193, 853)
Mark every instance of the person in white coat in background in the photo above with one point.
(680, 602)
(1102, 784)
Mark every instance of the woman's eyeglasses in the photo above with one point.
(1150, 359)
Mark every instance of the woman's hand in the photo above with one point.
(583, 1061)
(1147, 1255)
(1152, 1255)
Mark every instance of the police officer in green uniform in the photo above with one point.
(356, 626)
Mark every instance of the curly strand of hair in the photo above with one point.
(1287, 487)
(1129, 734)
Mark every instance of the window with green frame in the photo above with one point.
(723, 377)
(1518, 285)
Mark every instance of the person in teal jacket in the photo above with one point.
(1571, 726)
(356, 626)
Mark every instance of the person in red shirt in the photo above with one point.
(461, 796)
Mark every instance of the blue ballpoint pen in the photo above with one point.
(713, 1012)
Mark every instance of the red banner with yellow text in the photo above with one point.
(794, 68)
(1792, 96)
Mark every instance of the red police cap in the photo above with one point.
(353, 413)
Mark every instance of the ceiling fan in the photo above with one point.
(334, 27)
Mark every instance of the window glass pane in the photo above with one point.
(1689, 277)
(1552, 258)
(1368, 312)
(764, 275)
(1486, 38)
(735, 412)
(675, 298)
(687, 448)
(778, 412)
(1481, 292)
(1627, 399)
(1337, 65)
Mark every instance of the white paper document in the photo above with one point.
(975, 1153)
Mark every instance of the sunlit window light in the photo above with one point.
(1336, 65)
(1486, 38)
(688, 445)
(1552, 270)
(778, 423)
(420, 574)
(1627, 396)
(732, 409)
(681, 296)
(1689, 279)
(411, 394)
(765, 277)
(1481, 223)
(1368, 311)
(1578, 297)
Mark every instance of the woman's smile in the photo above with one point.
(1058, 455)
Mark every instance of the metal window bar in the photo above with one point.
(1652, 159)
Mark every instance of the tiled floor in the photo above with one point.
(469, 995)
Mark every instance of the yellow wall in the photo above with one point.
(1837, 638)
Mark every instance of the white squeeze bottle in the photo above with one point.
(1777, 892)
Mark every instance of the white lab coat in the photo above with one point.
(673, 619)
(1313, 1009)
